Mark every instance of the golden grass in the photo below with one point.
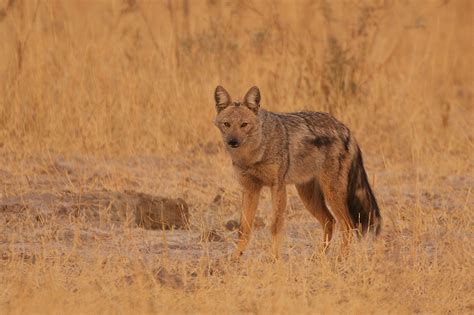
(118, 95)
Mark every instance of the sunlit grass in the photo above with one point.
(118, 95)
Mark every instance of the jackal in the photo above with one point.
(311, 150)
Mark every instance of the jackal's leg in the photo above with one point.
(335, 195)
(313, 199)
(249, 208)
(279, 211)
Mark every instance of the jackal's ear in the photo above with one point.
(252, 99)
(222, 98)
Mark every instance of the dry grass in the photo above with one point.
(117, 95)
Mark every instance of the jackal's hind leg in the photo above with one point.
(335, 196)
(313, 199)
(279, 212)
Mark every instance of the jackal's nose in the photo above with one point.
(233, 143)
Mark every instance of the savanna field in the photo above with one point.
(103, 101)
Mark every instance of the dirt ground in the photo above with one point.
(68, 211)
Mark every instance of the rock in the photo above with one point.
(156, 213)
(232, 225)
(169, 279)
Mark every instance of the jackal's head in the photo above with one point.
(238, 120)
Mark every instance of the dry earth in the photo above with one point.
(66, 217)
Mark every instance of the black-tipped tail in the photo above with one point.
(363, 207)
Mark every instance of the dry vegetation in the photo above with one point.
(115, 96)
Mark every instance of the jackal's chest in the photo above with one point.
(266, 173)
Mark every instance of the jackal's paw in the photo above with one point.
(236, 255)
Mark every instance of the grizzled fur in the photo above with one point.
(311, 150)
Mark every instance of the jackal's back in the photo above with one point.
(308, 142)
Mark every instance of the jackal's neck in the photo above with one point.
(248, 158)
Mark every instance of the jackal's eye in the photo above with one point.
(227, 124)
(243, 125)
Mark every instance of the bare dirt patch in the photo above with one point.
(83, 220)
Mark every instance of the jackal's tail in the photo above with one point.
(363, 208)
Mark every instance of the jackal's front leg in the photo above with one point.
(250, 198)
(279, 212)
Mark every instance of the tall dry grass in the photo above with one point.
(109, 80)
(138, 76)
